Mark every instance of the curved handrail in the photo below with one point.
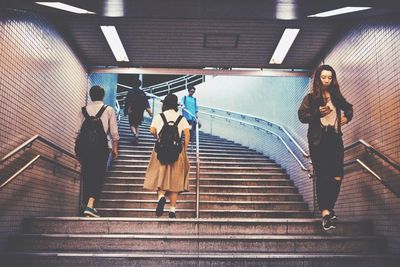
(280, 127)
(388, 160)
(266, 130)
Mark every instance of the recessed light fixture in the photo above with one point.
(113, 8)
(284, 45)
(65, 7)
(339, 11)
(111, 34)
(286, 9)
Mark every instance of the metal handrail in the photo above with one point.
(377, 177)
(28, 144)
(266, 130)
(370, 148)
(166, 85)
(21, 170)
(173, 88)
(118, 110)
(280, 127)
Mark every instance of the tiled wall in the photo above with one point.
(109, 83)
(367, 63)
(42, 87)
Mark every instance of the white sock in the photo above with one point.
(172, 209)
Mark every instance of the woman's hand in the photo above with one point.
(115, 153)
(324, 110)
(343, 120)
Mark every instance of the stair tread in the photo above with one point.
(203, 201)
(208, 210)
(249, 237)
(216, 255)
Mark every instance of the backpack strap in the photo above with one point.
(100, 112)
(163, 118)
(184, 101)
(85, 113)
(178, 120)
(98, 115)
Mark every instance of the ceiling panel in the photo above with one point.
(205, 33)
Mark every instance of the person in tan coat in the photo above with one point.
(168, 179)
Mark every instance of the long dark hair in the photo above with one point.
(334, 88)
(170, 102)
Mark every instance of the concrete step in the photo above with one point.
(192, 173)
(208, 164)
(149, 142)
(144, 194)
(210, 181)
(214, 226)
(127, 136)
(127, 141)
(139, 259)
(203, 147)
(198, 243)
(205, 205)
(203, 157)
(216, 152)
(121, 167)
(133, 187)
(141, 194)
(247, 189)
(211, 213)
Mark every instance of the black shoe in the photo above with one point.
(333, 216)
(327, 224)
(91, 212)
(172, 215)
(160, 206)
(135, 140)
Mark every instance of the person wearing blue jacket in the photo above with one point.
(189, 103)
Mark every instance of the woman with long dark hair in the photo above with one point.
(322, 110)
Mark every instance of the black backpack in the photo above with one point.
(169, 145)
(92, 140)
(136, 102)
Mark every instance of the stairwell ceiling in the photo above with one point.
(205, 33)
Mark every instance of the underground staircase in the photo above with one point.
(250, 214)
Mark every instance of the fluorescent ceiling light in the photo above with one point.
(113, 8)
(65, 7)
(115, 43)
(284, 45)
(286, 9)
(339, 11)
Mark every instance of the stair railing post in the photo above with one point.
(197, 171)
(152, 109)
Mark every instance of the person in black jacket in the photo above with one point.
(135, 104)
(322, 110)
